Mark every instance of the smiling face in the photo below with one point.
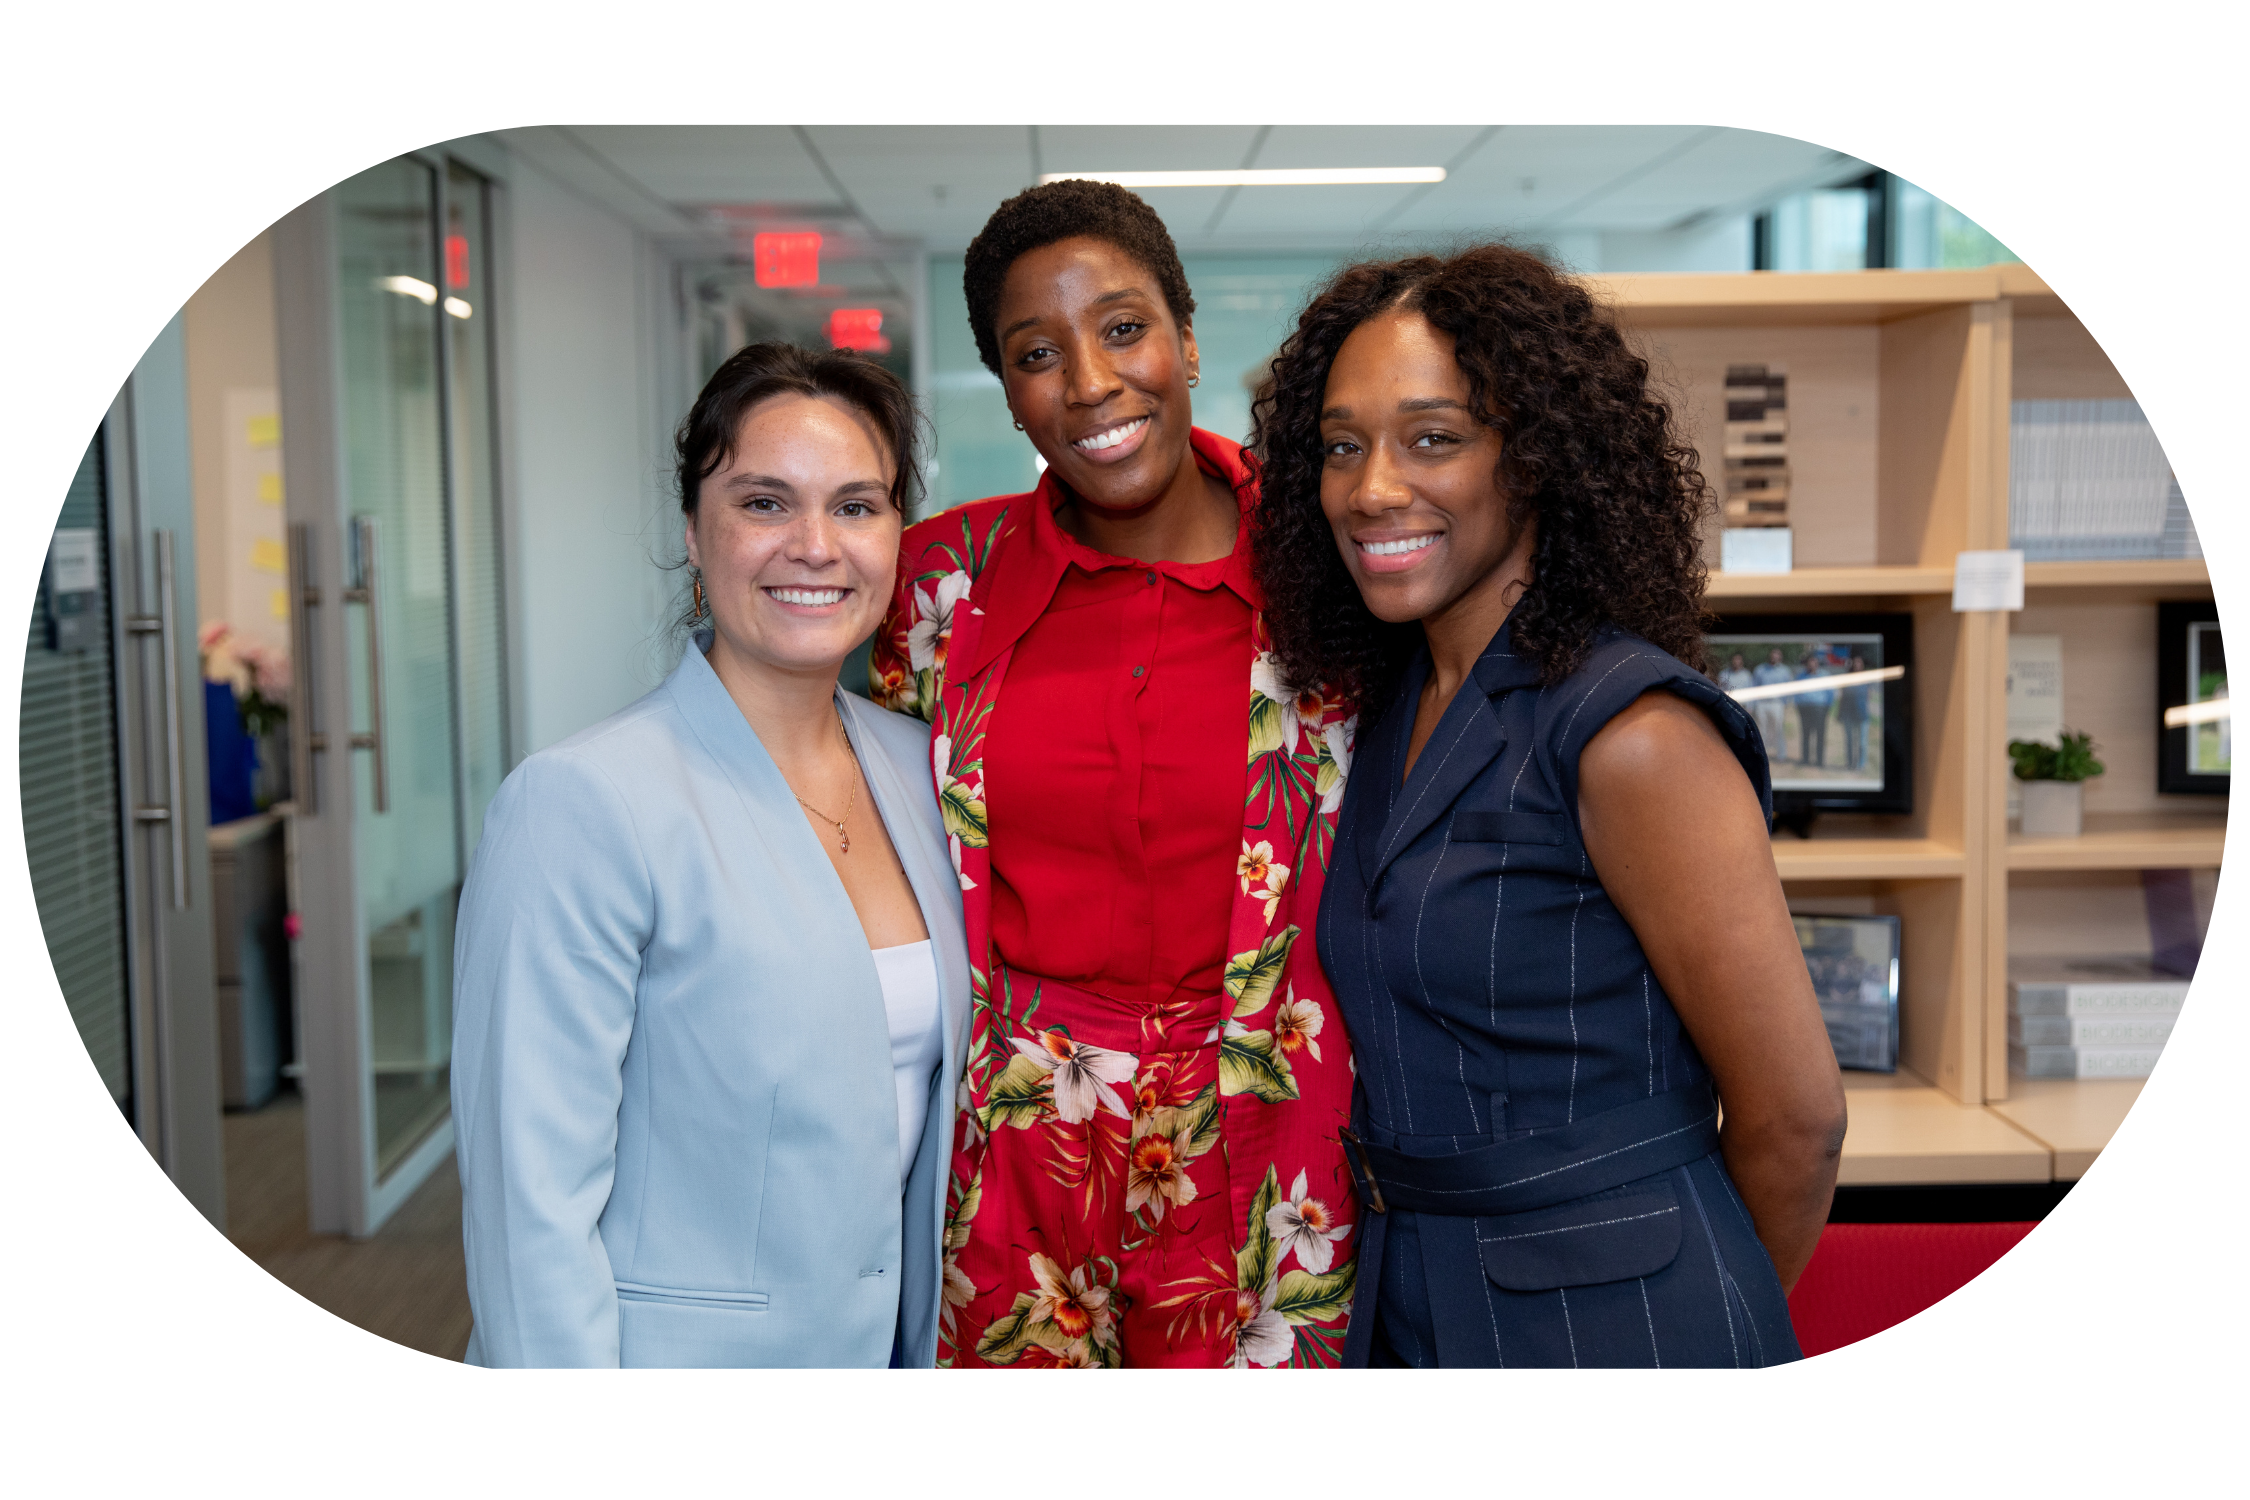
(1409, 481)
(796, 537)
(1096, 369)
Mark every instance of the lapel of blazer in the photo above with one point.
(928, 868)
(816, 896)
(1468, 738)
(1373, 790)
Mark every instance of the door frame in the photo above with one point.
(346, 1196)
(172, 1019)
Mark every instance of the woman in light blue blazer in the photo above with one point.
(711, 993)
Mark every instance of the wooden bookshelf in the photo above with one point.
(1866, 859)
(1901, 384)
(2127, 841)
(1902, 1130)
(2073, 1119)
(2135, 573)
(1830, 583)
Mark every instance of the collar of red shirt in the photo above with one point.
(1019, 581)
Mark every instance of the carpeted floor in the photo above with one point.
(405, 1284)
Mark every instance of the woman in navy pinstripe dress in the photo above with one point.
(1552, 917)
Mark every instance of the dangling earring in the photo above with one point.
(697, 579)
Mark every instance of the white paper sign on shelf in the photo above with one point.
(1755, 549)
(1988, 580)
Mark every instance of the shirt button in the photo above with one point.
(1152, 575)
(1137, 671)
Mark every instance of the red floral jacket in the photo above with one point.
(942, 655)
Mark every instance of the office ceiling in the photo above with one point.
(703, 188)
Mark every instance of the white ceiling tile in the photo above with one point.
(1525, 179)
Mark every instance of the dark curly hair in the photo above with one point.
(1066, 210)
(1586, 447)
(705, 439)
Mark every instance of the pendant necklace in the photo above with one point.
(843, 839)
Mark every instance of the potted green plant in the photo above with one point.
(2054, 781)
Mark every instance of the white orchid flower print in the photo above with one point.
(1082, 1074)
(1304, 1225)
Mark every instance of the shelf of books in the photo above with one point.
(1870, 426)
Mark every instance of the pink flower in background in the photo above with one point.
(269, 670)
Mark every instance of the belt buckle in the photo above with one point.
(1370, 1189)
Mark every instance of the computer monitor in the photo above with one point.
(1833, 697)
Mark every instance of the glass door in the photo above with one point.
(395, 541)
(111, 759)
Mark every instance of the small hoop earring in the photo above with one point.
(1194, 380)
(700, 609)
(1018, 426)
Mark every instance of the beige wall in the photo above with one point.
(233, 428)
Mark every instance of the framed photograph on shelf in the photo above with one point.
(2195, 745)
(1854, 966)
(1845, 745)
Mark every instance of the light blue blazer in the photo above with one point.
(672, 1089)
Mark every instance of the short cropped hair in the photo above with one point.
(1066, 210)
(705, 439)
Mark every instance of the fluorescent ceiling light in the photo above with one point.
(1816, 684)
(2198, 713)
(458, 307)
(407, 286)
(1261, 177)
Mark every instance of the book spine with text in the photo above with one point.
(2089, 1031)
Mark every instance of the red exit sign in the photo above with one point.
(786, 259)
(858, 328)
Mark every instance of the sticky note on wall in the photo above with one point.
(267, 557)
(264, 432)
(269, 488)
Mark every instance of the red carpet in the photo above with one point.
(1866, 1277)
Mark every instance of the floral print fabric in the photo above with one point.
(1134, 1183)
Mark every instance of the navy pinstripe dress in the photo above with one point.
(1518, 1063)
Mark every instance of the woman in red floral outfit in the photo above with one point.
(1146, 1166)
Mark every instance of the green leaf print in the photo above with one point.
(1008, 1335)
(1254, 1262)
(1252, 1064)
(1251, 976)
(964, 814)
(1266, 724)
(957, 1222)
(1017, 1097)
(1306, 1297)
(1197, 1130)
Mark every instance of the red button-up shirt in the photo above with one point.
(1123, 713)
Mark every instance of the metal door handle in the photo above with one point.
(363, 533)
(304, 598)
(164, 625)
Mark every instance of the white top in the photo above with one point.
(910, 996)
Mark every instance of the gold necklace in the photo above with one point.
(843, 839)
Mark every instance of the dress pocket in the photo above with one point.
(1482, 826)
(1634, 1231)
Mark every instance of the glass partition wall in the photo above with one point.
(385, 294)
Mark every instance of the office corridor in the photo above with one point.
(405, 1284)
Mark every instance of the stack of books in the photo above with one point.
(1757, 446)
(2090, 1018)
(2088, 479)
